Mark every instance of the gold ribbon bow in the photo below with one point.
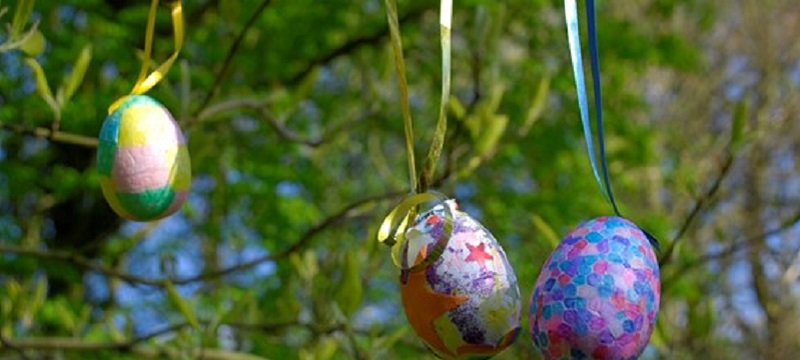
(393, 230)
(146, 81)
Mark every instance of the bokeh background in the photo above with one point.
(293, 118)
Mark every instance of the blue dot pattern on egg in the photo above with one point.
(598, 293)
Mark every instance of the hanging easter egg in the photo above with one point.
(466, 304)
(597, 294)
(144, 166)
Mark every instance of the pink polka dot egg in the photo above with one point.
(598, 293)
(144, 166)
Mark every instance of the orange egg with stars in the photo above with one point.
(466, 304)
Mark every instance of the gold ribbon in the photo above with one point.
(146, 81)
(392, 231)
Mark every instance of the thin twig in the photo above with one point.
(285, 133)
(134, 344)
(80, 261)
(296, 246)
(99, 267)
(54, 136)
(155, 352)
(223, 71)
(6, 344)
(700, 204)
(355, 44)
(259, 105)
(739, 245)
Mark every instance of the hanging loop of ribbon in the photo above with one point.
(402, 83)
(594, 59)
(393, 231)
(146, 80)
(445, 24)
(573, 33)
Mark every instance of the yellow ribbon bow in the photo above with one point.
(146, 81)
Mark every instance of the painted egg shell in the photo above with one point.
(144, 166)
(466, 304)
(598, 293)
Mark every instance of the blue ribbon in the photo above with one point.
(598, 98)
(571, 12)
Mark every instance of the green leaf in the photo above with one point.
(307, 266)
(34, 44)
(78, 72)
(350, 291)
(492, 130)
(388, 342)
(537, 105)
(39, 295)
(545, 229)
(325, 348)
(241, 307)
(21, 16)
(42, 88)
(182, 305)
(457, 108)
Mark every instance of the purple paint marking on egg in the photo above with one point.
(466, 304)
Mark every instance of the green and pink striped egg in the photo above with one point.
(144, 166)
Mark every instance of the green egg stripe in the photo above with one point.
(149, 204)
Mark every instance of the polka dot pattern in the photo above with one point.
(597, 294)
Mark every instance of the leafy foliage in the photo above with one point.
(295, 133)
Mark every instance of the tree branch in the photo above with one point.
(700, 204)
(260, 106)
(79, 261)
(296, 246)
(88, 264)
(152, 351)
(55, 136)
(737, 246)
(223, 71)
(354, 44)
(5, 344)
(149, 352)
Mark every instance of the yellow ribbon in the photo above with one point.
(392, 231)
(146, 81)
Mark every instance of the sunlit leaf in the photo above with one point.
(182, 305)
(42, 88)
(349, 292)
(21, 16)
(34, 44)
(74, 80)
